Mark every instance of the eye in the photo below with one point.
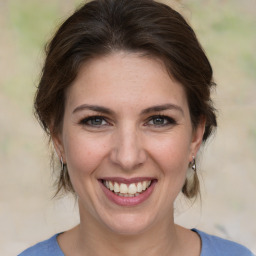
(160, 120)
(95, 121)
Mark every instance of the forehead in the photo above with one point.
(127, 79)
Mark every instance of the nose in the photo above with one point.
(127, 149)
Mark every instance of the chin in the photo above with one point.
(129, 224)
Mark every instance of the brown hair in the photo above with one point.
(101, 27)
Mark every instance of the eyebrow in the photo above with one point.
(159, 108)
(95, 108)
(108, 111)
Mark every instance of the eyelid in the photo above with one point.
(84, 120)
(170, 120)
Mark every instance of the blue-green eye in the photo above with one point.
(161, 121)
(94, 121)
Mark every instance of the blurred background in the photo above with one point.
(28, 214)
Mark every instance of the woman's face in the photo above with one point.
(127, 128)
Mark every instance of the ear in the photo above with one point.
(197, 138)
(58, 146)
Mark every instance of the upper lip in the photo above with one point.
(127, 181)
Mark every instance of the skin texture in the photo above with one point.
(130, 140)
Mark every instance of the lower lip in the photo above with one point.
(128, 201)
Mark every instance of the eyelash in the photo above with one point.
(167, 121)
(91, 118)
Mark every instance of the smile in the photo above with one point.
(127, 190)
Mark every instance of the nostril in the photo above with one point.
(128, 160)
(127, 151)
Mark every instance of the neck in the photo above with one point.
(93, 239)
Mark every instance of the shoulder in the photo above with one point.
(213, 246)
(48, 247)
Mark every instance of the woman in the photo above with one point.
(125, 99)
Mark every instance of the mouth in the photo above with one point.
(127, 190)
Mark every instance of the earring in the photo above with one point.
(191, 186)
(62, 164)
(193, 164)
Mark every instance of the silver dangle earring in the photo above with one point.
(62, 164)
(193, 164)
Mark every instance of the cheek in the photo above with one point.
(172, 153)
(83, 153)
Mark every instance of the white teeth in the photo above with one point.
(144, 185)
(116, 187)
(139, 187)
(111, 187)
(125, 190)
(132, 189)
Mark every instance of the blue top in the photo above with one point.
(211, 246)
